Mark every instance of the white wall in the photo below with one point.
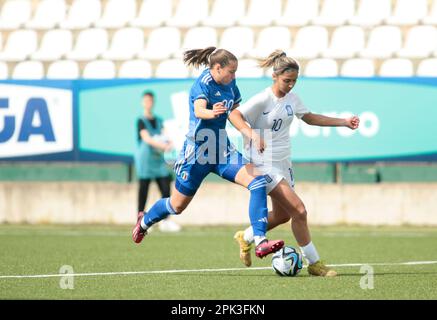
(217, 203)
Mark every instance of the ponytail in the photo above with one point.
(198, 57)
(280, 62)
(208, 57)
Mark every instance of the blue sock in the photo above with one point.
(160, 210)
(258, 206)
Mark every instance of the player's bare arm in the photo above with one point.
(202, 112)
(238, 121)
(315, 119)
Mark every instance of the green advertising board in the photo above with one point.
(398, 116)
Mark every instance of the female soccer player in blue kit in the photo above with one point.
(207, 149)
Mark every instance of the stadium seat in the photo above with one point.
(82, 14)
(260, 14)
(321, 68)
(346, 42)
(14, 13)
(99, 69)
(189, 13)
(358, 68)
(90, 44)
(248, 68)
(156, 49)
(383, 42)
(222, 16)
(32, 70)
(408, 12)
(135, 69)
(20, 44)
(153, 13)
(198, 38)
(335, 12)
(54, 45)
(4, 70)
(396, 68)
(126, 43)
(63, 69)
(427, 68)
(172, 68)
(48, 14)
(298, 12)
(270, 39)
(238, 40)
(117, 13)
(309, 42)
(431, 17)
(420, 42)
(371, 13)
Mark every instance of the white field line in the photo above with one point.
(124, 234)
(124, 273)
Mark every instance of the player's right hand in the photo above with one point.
(258, 142)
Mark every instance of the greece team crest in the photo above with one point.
(289, 110)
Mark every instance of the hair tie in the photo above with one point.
(215, 50)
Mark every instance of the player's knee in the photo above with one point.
(300, 213)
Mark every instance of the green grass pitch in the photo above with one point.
(108, 265)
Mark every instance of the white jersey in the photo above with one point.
(273, 117)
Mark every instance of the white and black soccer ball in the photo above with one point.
(287, 262)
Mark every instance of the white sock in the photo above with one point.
(248, 235)
(143, 225)
(309, 252)
(258, 239)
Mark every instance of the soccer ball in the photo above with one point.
(287, 262)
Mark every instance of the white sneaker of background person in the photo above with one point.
(169, 226)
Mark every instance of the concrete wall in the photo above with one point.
(217, 203)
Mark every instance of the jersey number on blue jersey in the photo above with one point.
(228, 104)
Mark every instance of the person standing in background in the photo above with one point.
(149, 158)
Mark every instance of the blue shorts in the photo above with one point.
(193, 166)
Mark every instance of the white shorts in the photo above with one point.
(275, 171)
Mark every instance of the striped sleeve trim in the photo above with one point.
(201, 96)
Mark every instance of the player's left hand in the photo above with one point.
(353, 122)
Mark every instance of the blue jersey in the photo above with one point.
(206, 88)
(225, 161)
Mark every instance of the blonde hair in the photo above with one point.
(280, 62)
(208, 57)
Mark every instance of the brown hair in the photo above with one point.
(208, 57)
(280, 62)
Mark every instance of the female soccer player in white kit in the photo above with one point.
(270, 113)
